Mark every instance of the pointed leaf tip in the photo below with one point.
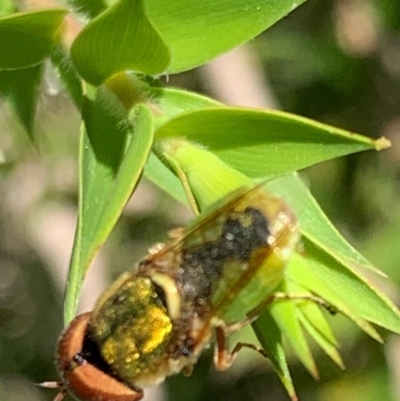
(382, 143)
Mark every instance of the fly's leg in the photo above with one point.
(283, 296)
(234, 327)
(60, 396)
(278, 296)
(223, 358)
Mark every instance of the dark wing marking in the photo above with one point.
(222, 207)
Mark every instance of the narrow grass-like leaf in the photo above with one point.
(21, 89)
(260, 143)
(311, 324)
(313, 222)
(270, 337)
(359, 294)
(197, 31)
(314, 321)
(28, 38)
(119, 39)
(285, 315)
(305, 272)
(160, 175)
(114, 150)
(311, 309)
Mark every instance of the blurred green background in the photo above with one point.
(335, 61)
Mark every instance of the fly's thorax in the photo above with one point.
(183, 283)
(135, 335)
(131, 328)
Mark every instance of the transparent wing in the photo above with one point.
(247, 234)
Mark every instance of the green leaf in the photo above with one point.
(28, 38)
(160, 175)
(313, 320)
(21, 89)
(6, 7)
(302, 271)
(285, 315)
(170, 103)
(260, 143)
(114, 150)
(325, 280)
(68, 75)
(119, 39)
(270, 337)
(314, 224)
(205, 178)
(311, 312)
(197, 31)
(359, 295)
(316, 325)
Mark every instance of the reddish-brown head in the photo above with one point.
(84, 380)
